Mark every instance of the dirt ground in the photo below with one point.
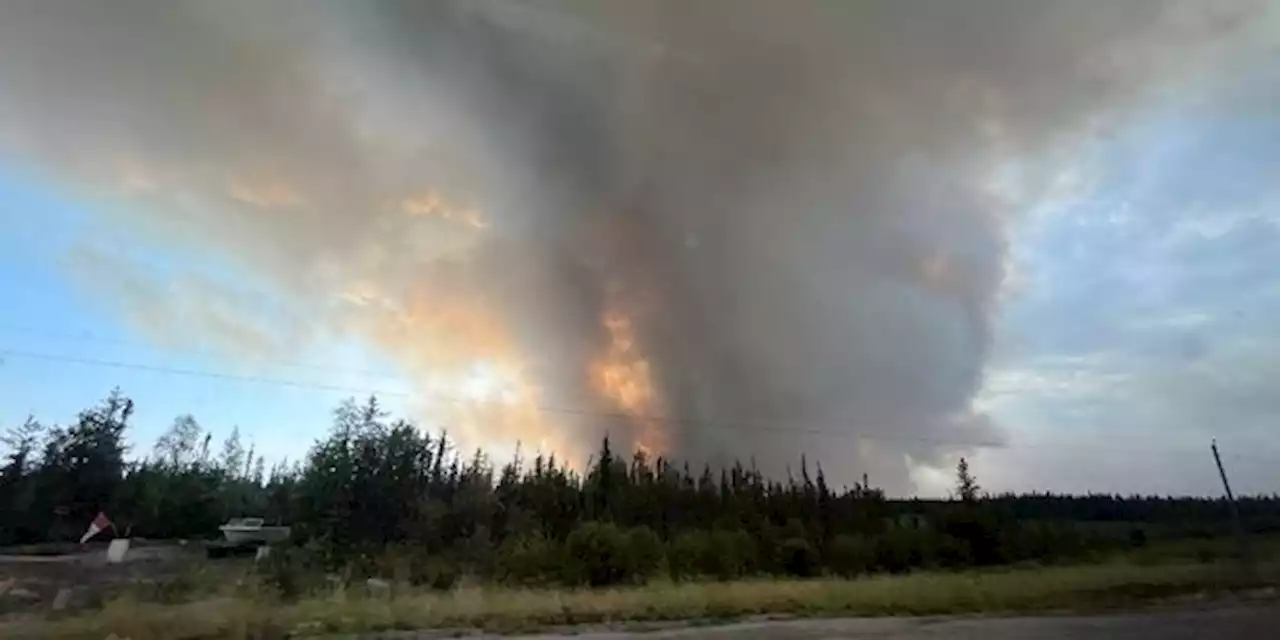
(31, 579)
(1252, 622)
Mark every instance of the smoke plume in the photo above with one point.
(754, 229)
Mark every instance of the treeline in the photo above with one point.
(381, 496)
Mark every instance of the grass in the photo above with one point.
(250, 615)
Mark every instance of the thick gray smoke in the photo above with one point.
(789, 218)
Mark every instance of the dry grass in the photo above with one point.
(1016, 590)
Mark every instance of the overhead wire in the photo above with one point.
(786, 428)
(366, 390)
(89, 337)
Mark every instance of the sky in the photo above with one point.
(882, 237)
(1146, 325)
(65, 347)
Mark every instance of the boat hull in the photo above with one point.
(247, 535)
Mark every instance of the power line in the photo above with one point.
(89, 337)
(674, 420)
(32, 355)
(789, 429)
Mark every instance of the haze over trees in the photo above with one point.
(380, 495)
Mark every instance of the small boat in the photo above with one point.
(252, 530)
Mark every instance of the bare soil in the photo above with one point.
(1251, 622)
(31, 577)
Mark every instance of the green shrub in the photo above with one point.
(723, 555)
(527, 560)
(395, 563)
(1137, 538)
(292, 571)
(729, 555)
(1206, 553)
(645, 549)
(180, 588)
(598, 555)
(953, 552)
(851, 555)
(1054, 541)
(900, 550)
(433, 571)
(976, 529)
(798, 558)
(685, 554)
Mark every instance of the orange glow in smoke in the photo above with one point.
(265, 195)
(459, 348)
(622, 374)
(468, 369)
(431, 204)
(470, 373)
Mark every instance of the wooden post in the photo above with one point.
(1236, 526)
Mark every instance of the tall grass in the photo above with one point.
(256, 615)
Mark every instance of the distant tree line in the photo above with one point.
(380, 496)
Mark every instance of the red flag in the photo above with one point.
(99, 523)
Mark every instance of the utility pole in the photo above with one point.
(1236, 526)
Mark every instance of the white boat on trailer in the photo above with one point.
(251, 531)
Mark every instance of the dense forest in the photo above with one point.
(376, 491)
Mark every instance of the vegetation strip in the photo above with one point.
(393, 529)
(511, 610)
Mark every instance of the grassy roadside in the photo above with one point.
(503, 609)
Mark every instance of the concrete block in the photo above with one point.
(378, 587)
(60, 601)
(117, 550)
(20, 593)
